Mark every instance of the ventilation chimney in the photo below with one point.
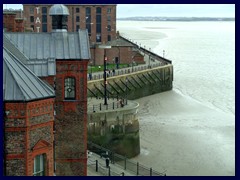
(59, 14)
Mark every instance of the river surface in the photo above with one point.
(191, 129)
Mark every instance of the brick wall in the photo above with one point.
(9, 22)
(72, 24)
(26, 125)
(15, 167)
(123, 53)
(71, 119)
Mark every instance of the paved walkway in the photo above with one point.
(115, 169)
(97, 105)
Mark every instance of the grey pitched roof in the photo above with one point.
(57, 45)
(42, 49)
(20, 83)
(13, 49)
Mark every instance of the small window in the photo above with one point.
(39, 165)
(31, 9)
(44, 10)
(69, 87)
(77, 19)
(109, 37)
(32, 26)
(98, 38)
(44, 27)
(99, 10)
(98, 19)
(44, 18)
(88, 27)
(31, 19)
(109, 10)
(77, 28)
(88, 10)
(77, 10)
(98, 28)
(108, 28)
(108, 18)
(88, 19)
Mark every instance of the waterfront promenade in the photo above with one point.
(113, 169)
(151, 60)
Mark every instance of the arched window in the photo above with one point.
(98, 10)
(69, 88)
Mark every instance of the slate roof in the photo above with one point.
(20, 83)
(119, 42)
(42, 49)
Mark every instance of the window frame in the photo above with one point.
(42, 165)
(31, 10)
(109, 10)
(31, 19)
(98, 10)
(68, 86)
(43, 10)
(77, 18)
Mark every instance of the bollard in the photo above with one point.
(96, 165)
(109, 171)
(125, 163)
(137, 168)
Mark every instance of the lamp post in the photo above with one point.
(118, 62)
(132, 62)
(126, 89)
(149, 58)
(105, 75)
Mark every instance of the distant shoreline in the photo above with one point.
(175, 19)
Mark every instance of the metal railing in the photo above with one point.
(102, 169)
(127, 70)
(113, 103)
(127, 164)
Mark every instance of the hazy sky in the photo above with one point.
(170, 10)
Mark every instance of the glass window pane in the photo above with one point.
(88, 10)
(44, 18)
(77, 19)
(44, 10)
(99, 10)
(31, 19)
(98, 18)
(38, 169)
(31, 10)
(69, 86)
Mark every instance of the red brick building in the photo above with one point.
(12, 21)
(28, 120)
(98, 19)
(59, 58)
